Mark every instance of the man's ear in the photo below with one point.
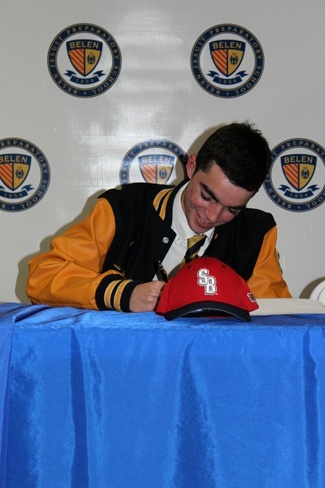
(191, 165)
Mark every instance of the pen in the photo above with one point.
(161, 272)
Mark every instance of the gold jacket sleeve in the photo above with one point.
(69, 274)
(266, 280)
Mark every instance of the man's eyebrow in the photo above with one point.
(215, 198)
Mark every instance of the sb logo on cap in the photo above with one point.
(208, 282)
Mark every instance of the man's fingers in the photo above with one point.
(145, 296)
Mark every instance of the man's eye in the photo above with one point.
(207, 198)
(233, 211)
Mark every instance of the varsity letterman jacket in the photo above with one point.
(98, 262)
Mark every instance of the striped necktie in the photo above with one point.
(193, 246)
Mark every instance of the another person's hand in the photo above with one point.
(145, 296)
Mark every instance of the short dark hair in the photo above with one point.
(241, 152)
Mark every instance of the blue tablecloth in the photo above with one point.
(114, 400)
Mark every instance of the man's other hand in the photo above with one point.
(145, 296)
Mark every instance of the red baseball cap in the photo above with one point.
(204, 287)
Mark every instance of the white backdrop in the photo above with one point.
(155, 96)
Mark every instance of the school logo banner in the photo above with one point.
(24, 175)
(154, 161)
(227, 60)
(296, 180)
(84, 60)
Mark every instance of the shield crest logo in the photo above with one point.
(156, 168)
(84, 55)
(14, 169)
(227, 55)
(298, 169)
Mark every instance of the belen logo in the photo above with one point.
(208, 282)
(154, 161)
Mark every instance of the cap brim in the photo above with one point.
(206, 309)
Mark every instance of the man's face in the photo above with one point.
(210, 199)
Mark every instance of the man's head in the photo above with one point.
(240, 151)
(226, 173)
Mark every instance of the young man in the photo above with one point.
(109, 260)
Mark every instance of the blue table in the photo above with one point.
(113, 400)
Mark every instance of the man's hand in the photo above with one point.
(145, 296)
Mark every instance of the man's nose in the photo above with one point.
(214, 212)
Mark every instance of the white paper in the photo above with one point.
(282, 306)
